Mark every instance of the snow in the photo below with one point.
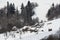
(54, 25)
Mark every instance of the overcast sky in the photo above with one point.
(41, 10)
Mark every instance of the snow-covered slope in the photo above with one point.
(54, 25)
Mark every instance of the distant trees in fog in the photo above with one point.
(53, 12)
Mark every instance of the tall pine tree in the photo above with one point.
(22, 9)
(8, 8)
(27, 12)
(12, 8)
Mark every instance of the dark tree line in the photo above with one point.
(10, 16)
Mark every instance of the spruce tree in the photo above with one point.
(22, 9)
(12, 8)
(8, 8)
(29, 13)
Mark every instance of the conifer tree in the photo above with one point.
(22, 9)
(8, 8)
(12, 8)
(29, 13)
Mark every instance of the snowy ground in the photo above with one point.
(54, 25)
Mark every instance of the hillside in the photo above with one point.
(16, 35)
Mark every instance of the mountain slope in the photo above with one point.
(54, 25)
